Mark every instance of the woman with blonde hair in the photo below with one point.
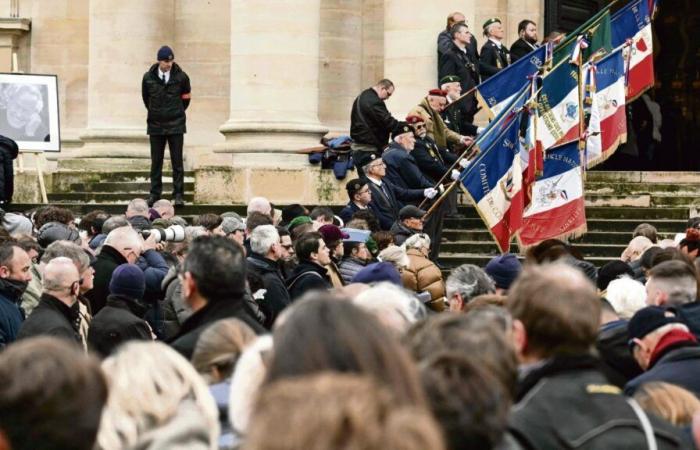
(669, 402)
(422, 275)
(157, 400)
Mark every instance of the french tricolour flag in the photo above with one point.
(634, 22)
(493, 180)
(558, 106)
(607, 127)
(557, 207)
(498, 91)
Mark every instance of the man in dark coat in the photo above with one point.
(166, 94)
(360, 198)
(460, 62)
(121, 319)
(370, 122)
(456, 116)
(57, 313)
(562, 399)
(8, 153)
(444, 39)
(386, 198)
(612, 345)
(15, 275)
(263, 261)
(494, 55)
(213, 285)
(665, 349)
(527, 30)
(410, 222)
(310, 274)
(401, 168)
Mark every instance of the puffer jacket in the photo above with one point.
(166, 103)
(423, 275)
(349, 267)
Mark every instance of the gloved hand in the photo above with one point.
(464, 163)
(480, 130)
(454, 175)
(441, 189)
(430, 193)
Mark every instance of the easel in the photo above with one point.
(38, 154)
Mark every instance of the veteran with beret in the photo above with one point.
(494, 55)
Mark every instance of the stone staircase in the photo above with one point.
(616, 203)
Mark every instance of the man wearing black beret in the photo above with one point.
(166, 94)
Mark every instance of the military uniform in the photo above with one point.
(494, 58)
(466, 67)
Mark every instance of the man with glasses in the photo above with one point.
(387, 197)
(360, 197)
(56, 315)
(370, 121)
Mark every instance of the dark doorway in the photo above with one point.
(677, 89)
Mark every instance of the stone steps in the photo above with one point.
(125, 186)
(106, 197)
(188, 211)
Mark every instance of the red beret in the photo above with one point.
(414, 119)
(438, 92)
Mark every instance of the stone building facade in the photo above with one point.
(269, 77)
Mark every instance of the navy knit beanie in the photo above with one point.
(128, 280)
(504, 269)
(165, 53)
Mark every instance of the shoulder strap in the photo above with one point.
(301, 275)
(646, 425)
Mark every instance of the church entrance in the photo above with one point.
(663, 124)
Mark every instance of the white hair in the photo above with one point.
(392, 305)
(59, 274)
(636, 248)
(259, 204)
(418, 241)
(395, 255)
(247, 378)
(123, 237)
(626, 296)
(149, 382)
(263, 238)
(194, 231)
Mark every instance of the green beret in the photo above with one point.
(449, 79)
(301, 220)
(491, 22)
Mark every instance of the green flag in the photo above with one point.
(597, 31)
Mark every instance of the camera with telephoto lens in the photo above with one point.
(174, 233)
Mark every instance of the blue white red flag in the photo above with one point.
(558, 106)
(557, 208)
(496, 92)
(633, 22)
(607, 127)
(493, 180)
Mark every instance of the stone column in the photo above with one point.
(124, 39)
(340, 64)
(274, 77)
(411, 28)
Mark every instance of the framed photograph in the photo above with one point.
(29, 111)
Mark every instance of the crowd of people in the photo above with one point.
(291, 329)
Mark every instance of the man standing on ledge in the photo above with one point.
(166, 94)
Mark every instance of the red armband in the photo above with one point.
(186, 96)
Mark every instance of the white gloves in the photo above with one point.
(430, 193)
(480, 130)
(464, 163)
(455, 174)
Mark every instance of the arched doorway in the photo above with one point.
(677, 90)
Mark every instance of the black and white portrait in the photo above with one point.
(29, 111)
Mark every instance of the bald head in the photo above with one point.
(126, 241)
(165, 208)
(261, 205)
(60, 277)
(137, 207)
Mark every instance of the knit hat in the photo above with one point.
(647, 320)
(374, 273)
(612, 271)
(128, 280)
(165, 53)
(504, 269)
(17, 224)
(56, 231)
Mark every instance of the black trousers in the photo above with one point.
(433, 228)
(175, 142)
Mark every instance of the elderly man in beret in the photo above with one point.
(401, 168)
(429, 109)
(494, 55)
(457, 117)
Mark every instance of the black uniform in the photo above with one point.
(466, 67)
(387, 201)
(402, 170)
(519, 49)
(459, 120)
(8, 152)
(370, 122)
(166, 104)
(493, 59)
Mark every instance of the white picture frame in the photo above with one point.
(29, 111)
